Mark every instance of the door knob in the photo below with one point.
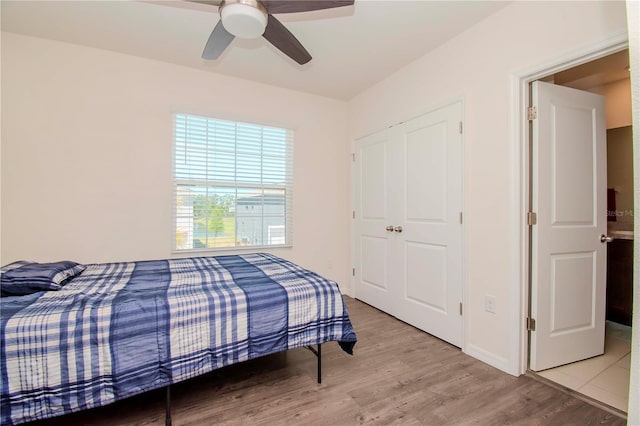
(398, 229)
(389, 228)
(605, 239)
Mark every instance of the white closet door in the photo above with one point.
(372, 245)
(431, 240)
(408, 249)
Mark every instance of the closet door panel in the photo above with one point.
(426, 174)
(427, 264)
(372, 251)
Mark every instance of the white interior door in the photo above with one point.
(430, 275)
(569, 196)
(408, 235)
(372, 189)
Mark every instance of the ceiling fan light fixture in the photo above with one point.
(243, 18)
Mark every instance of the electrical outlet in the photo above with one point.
(490, 303)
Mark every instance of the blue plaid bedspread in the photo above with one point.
(120, 329)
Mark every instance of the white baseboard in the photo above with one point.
(489, 358)
(348, 291)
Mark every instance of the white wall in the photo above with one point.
(618, 102)
(618, 96)
(87, 148)
(477, 66)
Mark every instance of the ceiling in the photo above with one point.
(596, 73)
(353, 47)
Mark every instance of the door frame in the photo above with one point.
(520, 180)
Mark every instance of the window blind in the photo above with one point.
(232, 184)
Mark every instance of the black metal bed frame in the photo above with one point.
(316, 352)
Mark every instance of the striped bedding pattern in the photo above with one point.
(119, 329)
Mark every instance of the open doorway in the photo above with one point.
(605, 378)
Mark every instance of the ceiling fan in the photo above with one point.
(254, 18)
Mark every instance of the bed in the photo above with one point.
(105, 332)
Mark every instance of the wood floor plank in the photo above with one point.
(398, 376)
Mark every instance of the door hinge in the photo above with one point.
(353, 158)
(353, 215)
(460, 308)
(460, 218)
(353, 272)
(461, 127)
(531, 324)
(532, 113)
(532, 218)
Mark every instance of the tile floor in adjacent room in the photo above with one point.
(605, 377)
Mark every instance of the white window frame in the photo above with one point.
(231, 179)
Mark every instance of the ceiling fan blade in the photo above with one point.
(208, 2)
(292, 6)
(278, 35)
(218, 41)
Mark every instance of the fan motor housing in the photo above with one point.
(243, 18)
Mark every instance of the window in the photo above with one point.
(232, 184)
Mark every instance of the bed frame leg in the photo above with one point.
(319, 355)
(167, 408)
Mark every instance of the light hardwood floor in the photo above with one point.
(398, 375)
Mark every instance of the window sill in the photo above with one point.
(225, 250)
